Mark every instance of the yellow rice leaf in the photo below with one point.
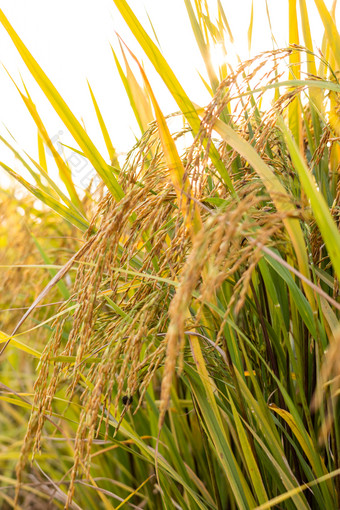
(41, 152)
(134, 492)
(250, 29)
(294, 109)
(330, 29)
(168, 76)
(202, 44)
(73, 125)
(16, 402)
(174, 163)
(64, 170)
(330, 316)
(19, 345)
(333, 114)
(315, 95)
(250, 460)
(71, 215)
(140, 97)
(274, 502)
(110, 149)
(306, 445)
(307, 36)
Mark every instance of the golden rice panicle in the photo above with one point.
(143, 284)
(118, 243)
(328, 387)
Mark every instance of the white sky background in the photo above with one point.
(70, 40)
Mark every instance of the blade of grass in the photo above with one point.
(41, 152)
(278, 193)
(330, 29)
(64, 112)
(140, 97)
(110, 148)
(251, 23)
(174, 163)
(202, 45)
(64, 170)
(225, 21)
(294, 108)
(61, 284)
(170, 80)
(62, 210)
(19, 345)
(240, 489)
(250, 460)
(326, 224)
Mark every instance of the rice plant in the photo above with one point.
(192, 359)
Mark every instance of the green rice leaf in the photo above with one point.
(323, 217)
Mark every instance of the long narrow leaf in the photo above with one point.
(110, 148)
(64, 112)
(278, 193)
(326, 224)
(164, 70)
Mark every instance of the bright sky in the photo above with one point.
(70, 40)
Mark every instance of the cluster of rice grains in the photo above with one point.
(143, 282)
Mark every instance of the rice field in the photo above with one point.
(169, 334)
